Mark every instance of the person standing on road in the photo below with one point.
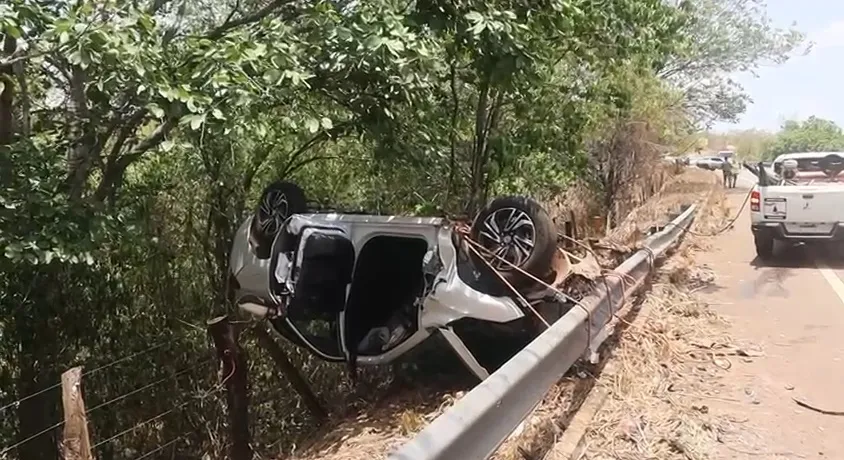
(727, 170)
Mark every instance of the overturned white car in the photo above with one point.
(365, 289)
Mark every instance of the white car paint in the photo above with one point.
(809, 207)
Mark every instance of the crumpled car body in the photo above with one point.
(366, 289)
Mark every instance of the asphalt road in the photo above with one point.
(794, 309)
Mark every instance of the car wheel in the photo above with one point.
(518, 230)
(278, 201)
(764, 247)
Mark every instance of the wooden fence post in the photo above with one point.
(76, 444)
(234, 378)
(291, 373)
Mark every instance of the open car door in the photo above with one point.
(311, 272)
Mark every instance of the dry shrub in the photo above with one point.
(626, 166)
(692, 186)
(625, 171)
(579, 202)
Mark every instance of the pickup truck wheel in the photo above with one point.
(518, 230)
(278, 201)
(764, 247)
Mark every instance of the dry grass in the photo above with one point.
(373, 429)
(668, 363)
(645, 352)
(691, 186)
(374, 432)
(657, 406)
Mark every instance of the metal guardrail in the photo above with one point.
(481, 420)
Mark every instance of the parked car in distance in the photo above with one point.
(366, 289)
(710, 163)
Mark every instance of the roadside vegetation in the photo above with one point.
(813, 134)
(136, 135)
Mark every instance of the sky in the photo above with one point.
(804, 85)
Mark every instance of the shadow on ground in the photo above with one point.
(802, 256)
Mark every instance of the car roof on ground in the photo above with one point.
(804, 155)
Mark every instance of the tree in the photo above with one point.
(722, 38)
(749, 144)
(135, 135)
(812, 135)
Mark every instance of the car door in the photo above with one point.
(321, 265)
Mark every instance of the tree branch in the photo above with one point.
(248, 19)
(7, 96)
(306, 162)
(113, 175)
(317, 138)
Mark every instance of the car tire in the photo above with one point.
(764, 247)
(523, 233)
(278, 201)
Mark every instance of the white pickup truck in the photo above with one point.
(800, 201)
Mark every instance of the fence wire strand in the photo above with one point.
(30, 438)
(93, 371)
(208, 393)
(150, 385)
(116, 399)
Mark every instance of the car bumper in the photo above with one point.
(777, 230)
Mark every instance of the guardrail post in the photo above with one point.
(233, 362)
(76, 443)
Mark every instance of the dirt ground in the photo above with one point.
(539, 432)
(731, 353)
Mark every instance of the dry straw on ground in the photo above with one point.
(543, 427)
(376, 431)
(669, 362)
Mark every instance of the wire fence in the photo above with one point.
(187, 390)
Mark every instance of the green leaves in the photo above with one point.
(811, 135)
(312, 125)
(717, 38)
(193, 120)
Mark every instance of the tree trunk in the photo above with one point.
(38, 413)
(82, 135)
(7, 96)
(479, 148)
(452, 160)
